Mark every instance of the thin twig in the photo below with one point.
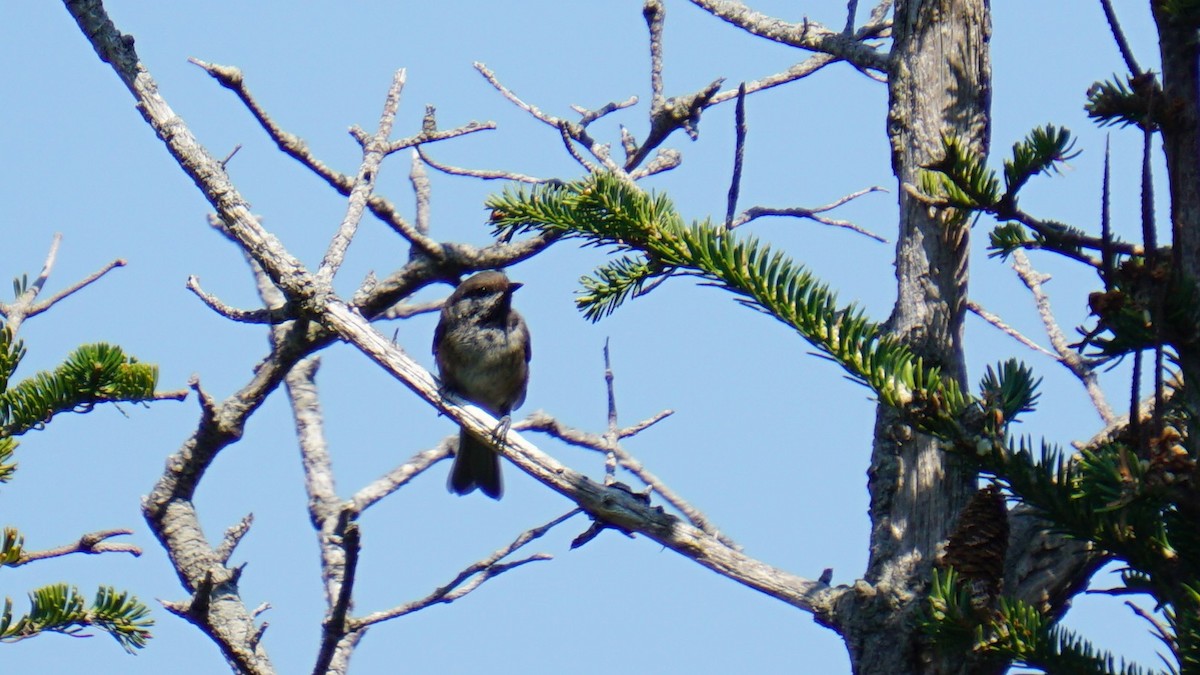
(233, 537)
(739, 154)
(571, 132)
(225, 162)
(1107, 257)
(434, 135)
(20, 308)
(587, 116)
(645, 424)
(336, 622)
(471, 577)
(1163, 633)
(1008, 330)
(24, 307)
(1149, 231)
(47, 266)
(540, 421)
(1070, 358)
(798, 71)
(406, 310)
(1119, 37)
(374, 150)
(38, 283)
(91, 544)
(567, 139)
(483, 174)
(422, 192)
(274, 315)
(398, 477)
(813, 213)
(664, 160)
(612, 431)
(1150, 241)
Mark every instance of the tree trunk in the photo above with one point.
(939, 84)
(1180, 124)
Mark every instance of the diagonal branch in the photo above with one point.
(470, 578)
(798, 71)
(398, 477)
(1080, 367)
(375, 149)
(978, 310)
(805, 35)
(1119, 37)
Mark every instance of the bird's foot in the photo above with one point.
(501, 430)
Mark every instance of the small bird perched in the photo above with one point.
(482, 350)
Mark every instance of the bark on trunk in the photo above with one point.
(1180, 123)
(939, 84)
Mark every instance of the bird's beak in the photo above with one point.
(514, 285)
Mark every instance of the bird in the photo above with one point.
(482, 349)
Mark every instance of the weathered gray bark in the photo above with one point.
(1180, 123)
(939, 84)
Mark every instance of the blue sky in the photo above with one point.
(770, 442)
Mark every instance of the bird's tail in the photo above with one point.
(476, 465)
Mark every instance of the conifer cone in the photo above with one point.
(978, 546)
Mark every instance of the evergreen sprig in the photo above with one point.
(60, 608)
(962, 180)
(1184, 621)
(1040, 152)
(948, 617)
(12, 547)
(91, 374)
(606, 288)
(1010, 236)
(11, 353)
(1100, 495)
(1016, 632)
(1006, 392)
(606, 211)
(1050, 235)
(7, 467)
(1117, 102)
